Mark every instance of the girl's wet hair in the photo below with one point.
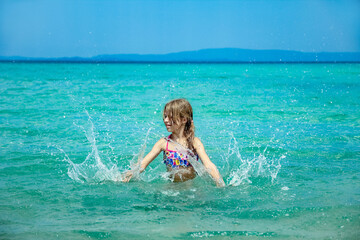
(178, 109)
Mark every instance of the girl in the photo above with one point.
(178, 119)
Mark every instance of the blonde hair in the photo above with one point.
(178, 109)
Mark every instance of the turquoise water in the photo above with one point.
(285, 137)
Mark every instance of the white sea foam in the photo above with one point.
(170, 193)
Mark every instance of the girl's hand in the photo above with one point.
(220, 183)
(142, 164)
(128, 176)
(209, 166)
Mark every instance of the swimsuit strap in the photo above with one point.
(167, 142)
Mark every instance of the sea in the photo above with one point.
(284, 137)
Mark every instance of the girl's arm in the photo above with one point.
(210, 167)
(155, 151)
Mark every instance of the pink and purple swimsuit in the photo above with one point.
(175, 159)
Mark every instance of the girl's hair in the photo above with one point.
(178, 109)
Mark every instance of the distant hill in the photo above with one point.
(209, 55)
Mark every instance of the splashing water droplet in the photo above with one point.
(259, 165)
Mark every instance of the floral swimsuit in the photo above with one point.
(175, 159)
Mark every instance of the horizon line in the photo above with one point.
(142, 54)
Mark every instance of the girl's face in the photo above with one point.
(168, 122)
(170, 125)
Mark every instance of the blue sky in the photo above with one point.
(59, 28)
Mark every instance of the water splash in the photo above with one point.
(92, 169)
(259, 165)
(199, 168)
(135, 163)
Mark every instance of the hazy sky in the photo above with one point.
(57, 28)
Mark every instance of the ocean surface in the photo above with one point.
(285, 138)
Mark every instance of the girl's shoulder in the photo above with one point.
(197, 142)
(161, 144)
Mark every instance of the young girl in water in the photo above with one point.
(181, 147)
